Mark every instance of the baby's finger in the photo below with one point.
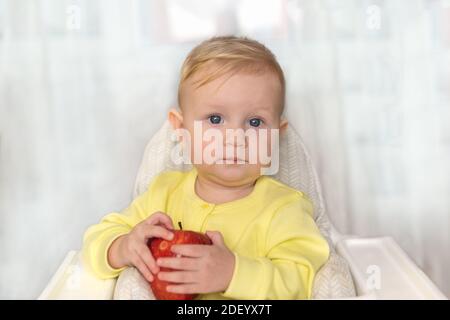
(190, 264)
(157, 232)
(178, 276)
(184, 288)
(190, 250)
(142, 267)
(160, 218)
(148, 259)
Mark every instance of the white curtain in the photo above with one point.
(85, 83)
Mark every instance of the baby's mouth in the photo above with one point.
(234, 160)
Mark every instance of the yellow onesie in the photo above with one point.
(276, 243)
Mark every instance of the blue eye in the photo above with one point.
(215, 119)
(255, 122)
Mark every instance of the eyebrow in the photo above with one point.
(216, 106)
(262, 107)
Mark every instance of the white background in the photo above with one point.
(84, 85)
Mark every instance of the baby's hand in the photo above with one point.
(202, 269)
(131, 249)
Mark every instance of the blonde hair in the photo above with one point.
(231, 54)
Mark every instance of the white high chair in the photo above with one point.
(358, 268)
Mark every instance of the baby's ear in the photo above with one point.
(175, 118)
(283, 126)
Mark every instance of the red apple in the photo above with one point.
(161, 248)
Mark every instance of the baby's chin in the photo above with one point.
(232, 174)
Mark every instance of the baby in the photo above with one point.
(266, 244)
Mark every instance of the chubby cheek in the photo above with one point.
(199, 150)
(261, 149)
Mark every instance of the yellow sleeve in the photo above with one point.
(99, 237)
(295, 250)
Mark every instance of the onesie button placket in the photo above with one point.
(207, 209)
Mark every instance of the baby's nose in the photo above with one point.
(235, 138)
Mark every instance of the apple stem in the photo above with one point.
(179, 224)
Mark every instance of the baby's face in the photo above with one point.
(250, 102)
